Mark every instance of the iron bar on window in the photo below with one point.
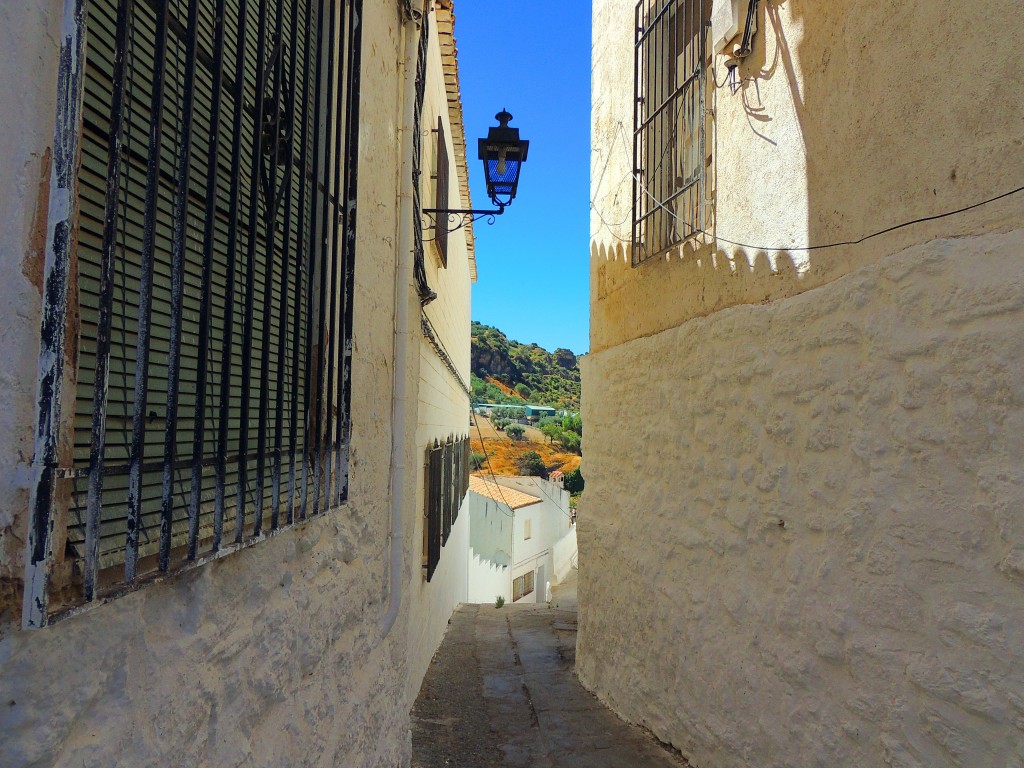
(324, 261)
(349, 221)
(187, 263)
(668, 143)
(332, 233)
(314, 250)
(106, 308)
(145, 329)
(271, 128)
(256, 162)
(302, 257)
(286, 258)
(224, 405)
(180, 225)
(199, 423)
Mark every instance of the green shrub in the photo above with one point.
(570, 441)
(531, 464)
(573, 424)
(573, 482)
(552, 431)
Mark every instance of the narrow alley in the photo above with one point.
(502, 692)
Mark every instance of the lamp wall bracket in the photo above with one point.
(460, 217)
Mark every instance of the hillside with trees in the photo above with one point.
(506, 371)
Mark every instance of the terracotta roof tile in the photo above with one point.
(509, 496)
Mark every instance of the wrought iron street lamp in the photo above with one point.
(503, 154)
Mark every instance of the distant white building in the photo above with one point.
(515, 524)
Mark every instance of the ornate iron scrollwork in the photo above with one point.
(460, 218)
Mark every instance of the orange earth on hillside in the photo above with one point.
(505, 388)
(503, 450)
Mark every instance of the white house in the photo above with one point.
(516, 526)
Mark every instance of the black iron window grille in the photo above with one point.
(209, 298)
(447, 483)
(669, 129)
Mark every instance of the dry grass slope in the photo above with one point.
(503, 451)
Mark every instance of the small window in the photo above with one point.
(447, 483)
(522, 586)
(527, 529)
(668, 138)
(441, 174)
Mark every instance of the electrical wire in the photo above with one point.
(495, 480)
(792, 248)
(554, 501)
(858, 241)
(490, 469)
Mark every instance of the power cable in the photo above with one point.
(836, 244)
(490, 469)
(787, 249)
(494, 479)
(554, 501)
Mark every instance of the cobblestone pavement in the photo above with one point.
(501, 691)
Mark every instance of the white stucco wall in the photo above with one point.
(432, 603)
(815, 555)
(840, 124)
(549, 522)
(499, 550)
(28, 53)
(564, 554)
(443, 407)
(800, 542)
(273, 655)
(487, 580)
(490, 550)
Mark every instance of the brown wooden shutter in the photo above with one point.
(441, 195)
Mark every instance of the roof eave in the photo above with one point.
(444, 11)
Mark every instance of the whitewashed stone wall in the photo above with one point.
(273, 656)
(802, 540)
(443, 407)
(490, 553)
(800, 543)
(565, 555)
(28, 32)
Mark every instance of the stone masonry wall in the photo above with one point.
(443, 406)
(802, 540)
(272, 656)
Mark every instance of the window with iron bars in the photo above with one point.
(669, 130)
(447, 483)
(212, 286)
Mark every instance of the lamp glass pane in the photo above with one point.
(507, 178)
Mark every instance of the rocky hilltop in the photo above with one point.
(506, 371)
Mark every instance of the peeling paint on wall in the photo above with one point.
(35, 256)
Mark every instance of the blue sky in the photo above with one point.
(532, 57)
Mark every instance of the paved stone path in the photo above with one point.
(501, 692)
